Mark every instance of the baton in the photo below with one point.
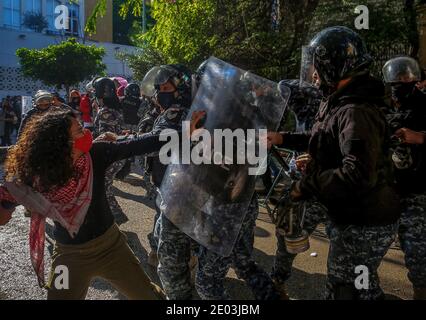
(282, 162)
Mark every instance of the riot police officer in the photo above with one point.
(109, 119)
(350, 172)
(170, 86)
(130, 106)
(407, 120)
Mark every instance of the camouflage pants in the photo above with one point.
(153, 236)
(352, 246)
(315, 214)
(412, 236)
(109, 177)
(174, 253)
(212, 268)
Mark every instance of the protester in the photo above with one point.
(10, 120)
(74, 99)
(43, 100)
(71, 192)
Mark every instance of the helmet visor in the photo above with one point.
(401, 69)
(154, 78)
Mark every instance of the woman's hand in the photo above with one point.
(196, 118)
(107, 137)
(410, 137)
(302, 162)
(274, 138)
(126, 132)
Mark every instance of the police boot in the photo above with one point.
(280, 287)
(419, 294)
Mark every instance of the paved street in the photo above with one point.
(17, 280)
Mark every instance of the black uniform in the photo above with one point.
(351, 174)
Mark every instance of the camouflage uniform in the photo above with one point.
(110, 120)
(212, 268)
(172, 245)
(315, 214)
(410, 170)
(352, 246)
(412, 236)
(174, 254)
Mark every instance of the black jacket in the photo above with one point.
(99, 217)
(411, 115)
(170, 119)
(351, 171)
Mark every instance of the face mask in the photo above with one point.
(166, 99)
(402, 91)
(84, 144)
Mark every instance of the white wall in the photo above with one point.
(11, 40)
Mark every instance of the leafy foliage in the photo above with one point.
(62, 65)
(35, 21)
(241, 32)
(142, 61)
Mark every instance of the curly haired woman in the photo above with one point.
(56, 172)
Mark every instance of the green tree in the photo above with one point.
(143, 60)
(62, 65)
(241, 31)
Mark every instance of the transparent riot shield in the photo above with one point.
(208, 201)
(308, 76)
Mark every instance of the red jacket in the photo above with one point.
(86, 109)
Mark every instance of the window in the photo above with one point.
(32, 6)
(12, 13)
(50, 13)
(74, 13)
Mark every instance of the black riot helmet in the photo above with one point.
(336, 53)
(402, 74)
(401, 69)
(178, 75)
(132, 90)
(105, 90)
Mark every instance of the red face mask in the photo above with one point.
(84, 144)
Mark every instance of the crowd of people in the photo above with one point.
(361, 172)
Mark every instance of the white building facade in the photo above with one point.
(13, 35)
